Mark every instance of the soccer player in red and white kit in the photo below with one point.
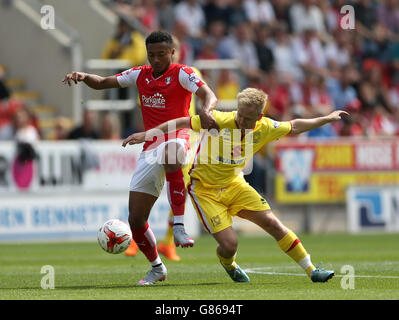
(165, 91)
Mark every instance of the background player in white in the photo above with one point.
(165, 91)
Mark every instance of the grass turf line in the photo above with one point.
(84, 271)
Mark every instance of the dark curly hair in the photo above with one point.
(159, 36)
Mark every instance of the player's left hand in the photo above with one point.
(337, 115)
(134, 138)
(207, 121)
(75, 77)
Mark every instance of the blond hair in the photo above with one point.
(253, 97)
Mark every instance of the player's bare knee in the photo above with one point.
(174, 157)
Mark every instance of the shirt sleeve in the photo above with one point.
(195, 123)
(189, 80)
(276, 129)
(128, 77)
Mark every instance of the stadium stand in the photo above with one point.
(312, 63)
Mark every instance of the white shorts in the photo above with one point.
(149, 176)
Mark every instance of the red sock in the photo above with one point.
(176, 191)
(146, 241)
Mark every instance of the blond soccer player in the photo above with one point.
(218, 189)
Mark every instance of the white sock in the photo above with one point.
(156, 262)
(178, 219)
(305, 263)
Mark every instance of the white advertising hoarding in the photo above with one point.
(62, 216)
(71, 189)
(69, 165)
(373, 209)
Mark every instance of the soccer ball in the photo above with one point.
(114, 236)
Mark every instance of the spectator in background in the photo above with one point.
(281, 10)
(318, 103)
(240, 46)
(63, 126)
(259, 12)
(215, 35)
(388, 15)
(382, 123)
(88, 129)
(21, 128)
(110, 126)
(286, 63)
(338, 50)
(331, 13)
(148, 15)
(379, 45)
(186, 48)
(237, 13)
(314, 95)
(280, 101)
(166, 15)
(217, 10)
(127, 44)
(393, 96)
(191, 15)
(4, 92)
(340, 87)
(264, 53)
(309, 51)
(305, 14)
(208, 50)
(366, 17)
(372, 91)
(227, 85)
(142, 14)
(8, 106)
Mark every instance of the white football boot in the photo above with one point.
(181, 237)
(154, 275)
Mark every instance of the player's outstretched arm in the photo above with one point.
(91, 80)
(168, 126)
(303, 125)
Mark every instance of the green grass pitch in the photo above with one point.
(83, 271)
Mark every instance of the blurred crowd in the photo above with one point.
(299, 52)
(19, 123)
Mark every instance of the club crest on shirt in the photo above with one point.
(276, 124)
(256, 137)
